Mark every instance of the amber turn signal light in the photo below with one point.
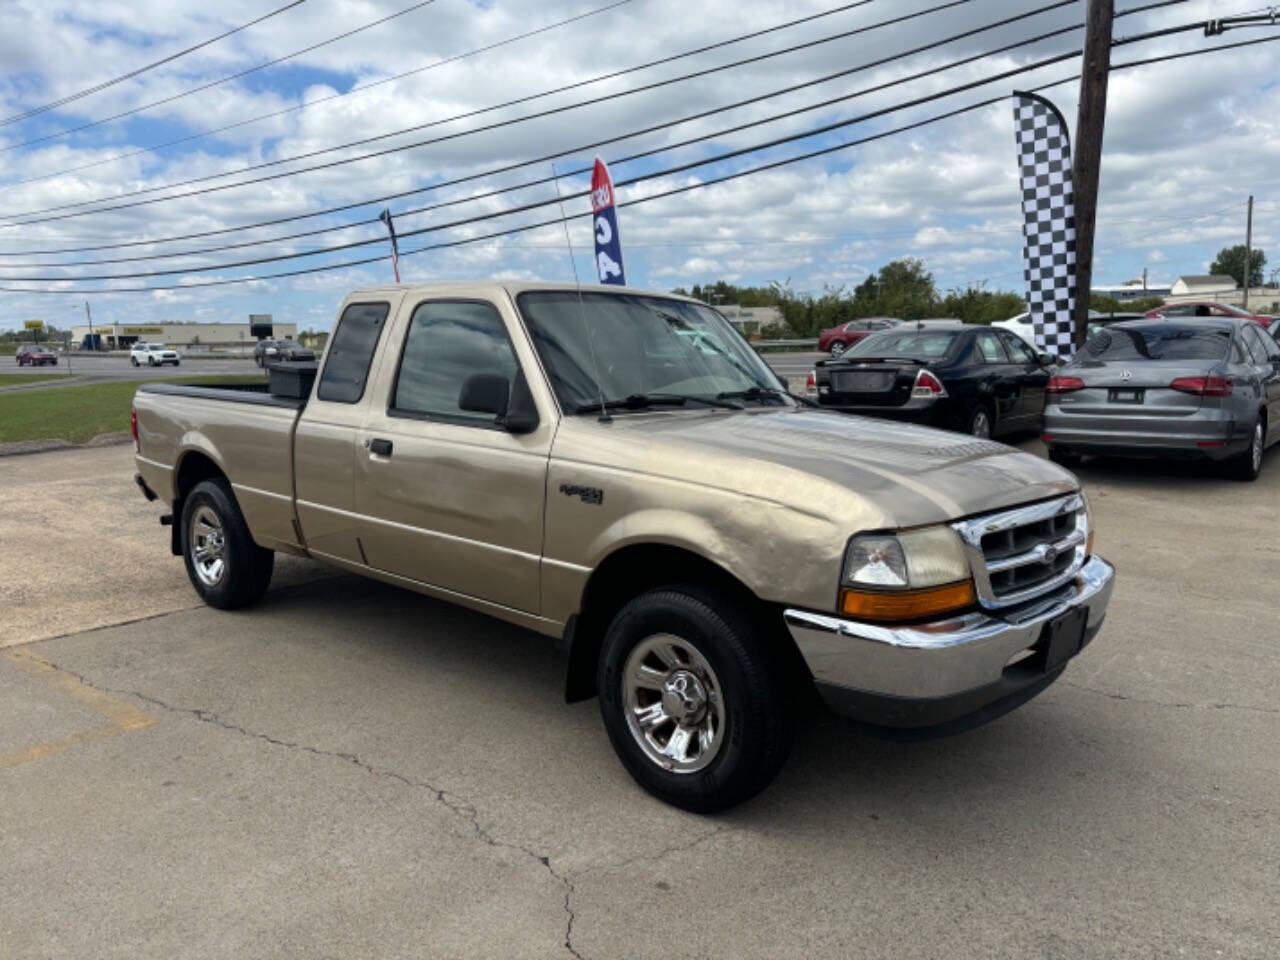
(907, 604)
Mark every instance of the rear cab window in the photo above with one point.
(346, 368)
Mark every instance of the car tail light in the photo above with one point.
(927, 385)
(1211, 386)
(811, 382)
(1065, 384)
(133, 428)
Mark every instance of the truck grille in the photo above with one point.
(1019, 554)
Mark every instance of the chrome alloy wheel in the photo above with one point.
(208, 546)
(1255, 451)
(674, 703)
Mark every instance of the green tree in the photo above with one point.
(1230, 261)
(901, 288)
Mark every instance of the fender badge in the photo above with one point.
(593, 495)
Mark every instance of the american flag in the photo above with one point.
(385, 217)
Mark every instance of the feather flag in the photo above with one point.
(605, 227)
(1048, 221)
(385, 217)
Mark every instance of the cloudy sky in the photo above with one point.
(1187, 141)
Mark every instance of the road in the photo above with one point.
(349, 770)
(102, 369)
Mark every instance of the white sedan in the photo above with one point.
(152, 354)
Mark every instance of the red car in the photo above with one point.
(31, 354)
(1209, 309)
(835, 340)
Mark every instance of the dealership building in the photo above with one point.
(120, 336)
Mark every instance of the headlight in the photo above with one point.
(906, 575)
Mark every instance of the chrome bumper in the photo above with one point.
(933, 661)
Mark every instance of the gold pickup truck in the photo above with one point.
(620, 470)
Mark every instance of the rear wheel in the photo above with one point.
(1247, 464)
(837, 349)
(979, 422)
(225, 566)
(693, 698)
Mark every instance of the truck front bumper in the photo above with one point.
(953, 673)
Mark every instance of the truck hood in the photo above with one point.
(871, 473)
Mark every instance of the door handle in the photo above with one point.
(380, 448)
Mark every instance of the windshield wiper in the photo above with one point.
(642, 401)
(756, 392)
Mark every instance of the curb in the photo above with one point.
(24, 447)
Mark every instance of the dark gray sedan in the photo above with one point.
(1205, 388)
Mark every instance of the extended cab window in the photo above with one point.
(347, 367)
(449, 341)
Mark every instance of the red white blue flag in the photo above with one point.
(604, 215)
(385, 217)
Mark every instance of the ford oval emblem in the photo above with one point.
(1126, 375)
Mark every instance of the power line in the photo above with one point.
(675, 191)
(221, 80)
(140, 70)
(582, 148)
(499, 106)
(615, 162)
(563, 108)
(361, 88)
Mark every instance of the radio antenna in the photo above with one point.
(582, 308)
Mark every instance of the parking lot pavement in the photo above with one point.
(794, 367)
(351, 770)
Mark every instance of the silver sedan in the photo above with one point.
(1203, 388)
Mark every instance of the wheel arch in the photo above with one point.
(632, 570)
(193, 466)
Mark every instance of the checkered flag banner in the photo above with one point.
(1048, 220)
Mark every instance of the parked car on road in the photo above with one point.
(1203, 388)
(267, 351)
(836, 340)
(34, 355)
(1024, 328)
(970, 378)
(152, 354)
(1176, 311)
(564, 459)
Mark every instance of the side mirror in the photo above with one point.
(522, 414)
(484, 393)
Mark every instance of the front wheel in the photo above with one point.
(837, 349)
(693, 698)
(176, 362)
(1247, 464)
(225, 566)
(134, 361)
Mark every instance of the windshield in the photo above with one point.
(643, 346)
(1164, 341)
(913, 344)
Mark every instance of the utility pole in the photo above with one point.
(1248, 251)
(89, 316)
(1090, 120)
(1144, 281)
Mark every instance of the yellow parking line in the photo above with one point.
(121, 715)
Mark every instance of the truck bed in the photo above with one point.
(230, 392)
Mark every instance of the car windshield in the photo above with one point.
(1164, 341)
(913, 344)
(641, 346)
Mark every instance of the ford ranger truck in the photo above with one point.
(619, 470)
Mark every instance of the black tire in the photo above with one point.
(134, 361)
(176, 362)
(258, 361)
(1247, 464)
(1064, 458)
(973, 419)
(750, 673)
(246, 569)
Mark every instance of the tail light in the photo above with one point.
(811, 382)
(1211, 386)
(928, 386)
(1065, 384)
(133, 428)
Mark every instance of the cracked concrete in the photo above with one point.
(350, 770)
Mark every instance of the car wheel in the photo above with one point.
(176, 362)
(1064, 458)
(1247, 464)
(979, 423)
(225, 566)
(134, 361)
(691, 697)
(258, 361)
(837, 349)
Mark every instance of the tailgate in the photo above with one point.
(873, 384)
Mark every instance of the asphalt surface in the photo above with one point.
(349, 770)
(105, 369)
